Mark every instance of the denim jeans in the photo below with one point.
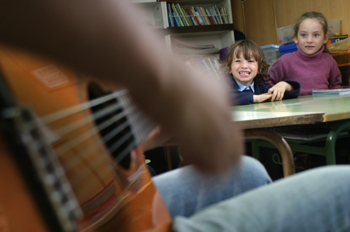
(186, 191)
(314, 200)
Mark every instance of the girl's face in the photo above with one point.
(310, 36)
(244, 71)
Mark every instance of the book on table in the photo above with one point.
(343, 90)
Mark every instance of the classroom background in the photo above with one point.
(259, 19)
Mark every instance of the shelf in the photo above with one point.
(156, 17)
(199, 29)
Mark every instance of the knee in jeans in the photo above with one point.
(255, 169)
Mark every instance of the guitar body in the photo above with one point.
(107, 191)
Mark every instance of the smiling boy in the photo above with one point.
(248, 70)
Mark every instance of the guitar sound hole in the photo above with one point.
(118, 142)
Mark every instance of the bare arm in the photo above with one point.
(104, 39)
(262, 97)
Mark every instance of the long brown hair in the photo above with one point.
(313, 15)
(249, 49)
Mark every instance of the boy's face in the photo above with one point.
(244, 71)
(310, 36)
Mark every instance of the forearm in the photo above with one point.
(105, 39)
(287, 86)
(72, 32)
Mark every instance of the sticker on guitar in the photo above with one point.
(51, 76)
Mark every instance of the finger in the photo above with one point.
(273, 97)
(280, 96)
(156, 138)
(276, 96)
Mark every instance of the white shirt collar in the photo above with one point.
(243, 87)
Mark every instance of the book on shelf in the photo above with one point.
(223, 13)
(176, 20)
(207, 21)
(182, 17)
(171, 21)
(213, 13)
(177, 16)
(199, 14)
(343, 90)
(196, 15)
(190, 17)
(218, 14)
(186, 17)
(209, 16)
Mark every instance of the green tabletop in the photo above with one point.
(303, 110)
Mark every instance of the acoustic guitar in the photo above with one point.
(70, 158)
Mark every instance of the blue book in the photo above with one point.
(210, 16)
(176, 15)
(200, 15)
(218, 14)
(176, 22)
(213, 15)
(189, 17)
(170, 16)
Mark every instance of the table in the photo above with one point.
(258, 119)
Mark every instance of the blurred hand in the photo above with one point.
(278, 90)
(262, 97)
(157, 138)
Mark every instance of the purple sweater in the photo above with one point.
(316, 71)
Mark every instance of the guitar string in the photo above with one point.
(121, 155)
(73, 144)
(104, 154)
(73, 110)
(81, 107)
(69, 128)
(99, 148)
(92, 132)
(62, 150)
(102, 173)
(87, 135)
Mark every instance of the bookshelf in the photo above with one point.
(154, 13)
(221, 35)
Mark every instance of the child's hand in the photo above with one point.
(262, 97)
(278, 90)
